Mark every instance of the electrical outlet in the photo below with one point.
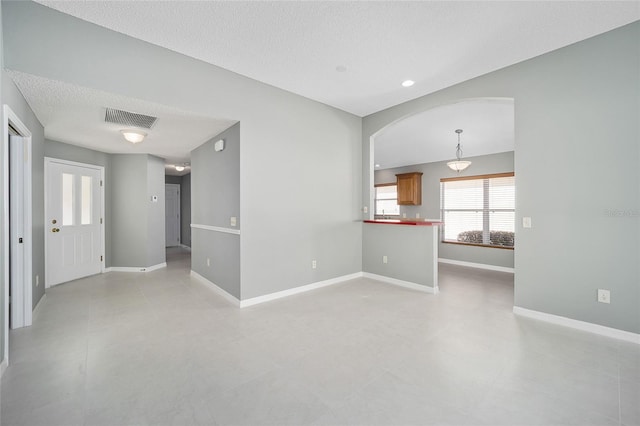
(314, 264)
(233, 221)
(37, 280)
(385, 259)
(208, 262)
(404, 215)
(365, 209)
(604, 296)
(417, 215)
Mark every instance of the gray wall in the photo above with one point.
(64, 151)
(129, 210)
(579, 103)
(411, 252)
(288, 142)
(185, 211)
(430, 208)
(12, 97)
(216, 198)
(156, 241)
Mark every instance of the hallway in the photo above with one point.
(161, 348)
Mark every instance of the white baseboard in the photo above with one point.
(296, 290)
(273, 296)
(3, 366)
(401, 283)
(136, 268)
(579, 325)
(217, 289)
(477, 265)
(36, 310)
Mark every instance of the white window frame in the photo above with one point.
(375, 199)
(486, 210)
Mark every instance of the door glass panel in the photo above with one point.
(67, 199)
(85, 215)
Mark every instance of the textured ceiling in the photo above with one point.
(487, 124)
(75, 115)
(298, 46)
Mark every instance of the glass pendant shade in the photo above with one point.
(458, 165)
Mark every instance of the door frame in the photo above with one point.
(24, 307)
(178, 186)
(47, 162)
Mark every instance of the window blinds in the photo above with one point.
(479, 209)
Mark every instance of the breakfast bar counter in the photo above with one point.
(411, 222)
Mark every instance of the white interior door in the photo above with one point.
(16, 228)
(172, 214)
(73, 226)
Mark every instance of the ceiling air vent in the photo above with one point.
(129, 119)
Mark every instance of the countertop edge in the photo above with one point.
(402, 222)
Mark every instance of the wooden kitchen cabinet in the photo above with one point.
(409, 189)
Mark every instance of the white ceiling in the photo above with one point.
(75, 115)
(487, 124)
(297, 45)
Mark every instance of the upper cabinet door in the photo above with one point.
(409, 189)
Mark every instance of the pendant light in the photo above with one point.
(458, 165)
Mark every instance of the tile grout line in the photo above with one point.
(619, 396)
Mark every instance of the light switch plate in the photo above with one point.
(233, 221)
(365, 209)
(526, 222)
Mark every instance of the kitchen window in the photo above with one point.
(479, 210)
(386, 201)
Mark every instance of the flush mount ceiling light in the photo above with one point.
(133, 136)
(181, 167)
(458, 165)
(377, 165)
(408, 83)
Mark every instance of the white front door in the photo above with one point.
(73, 223)
(172, 214)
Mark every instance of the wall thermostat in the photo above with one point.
(219, 145)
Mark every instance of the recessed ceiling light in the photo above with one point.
(377, 165)
(341, 68)
(408, 83)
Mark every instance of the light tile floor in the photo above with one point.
(162, 349)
